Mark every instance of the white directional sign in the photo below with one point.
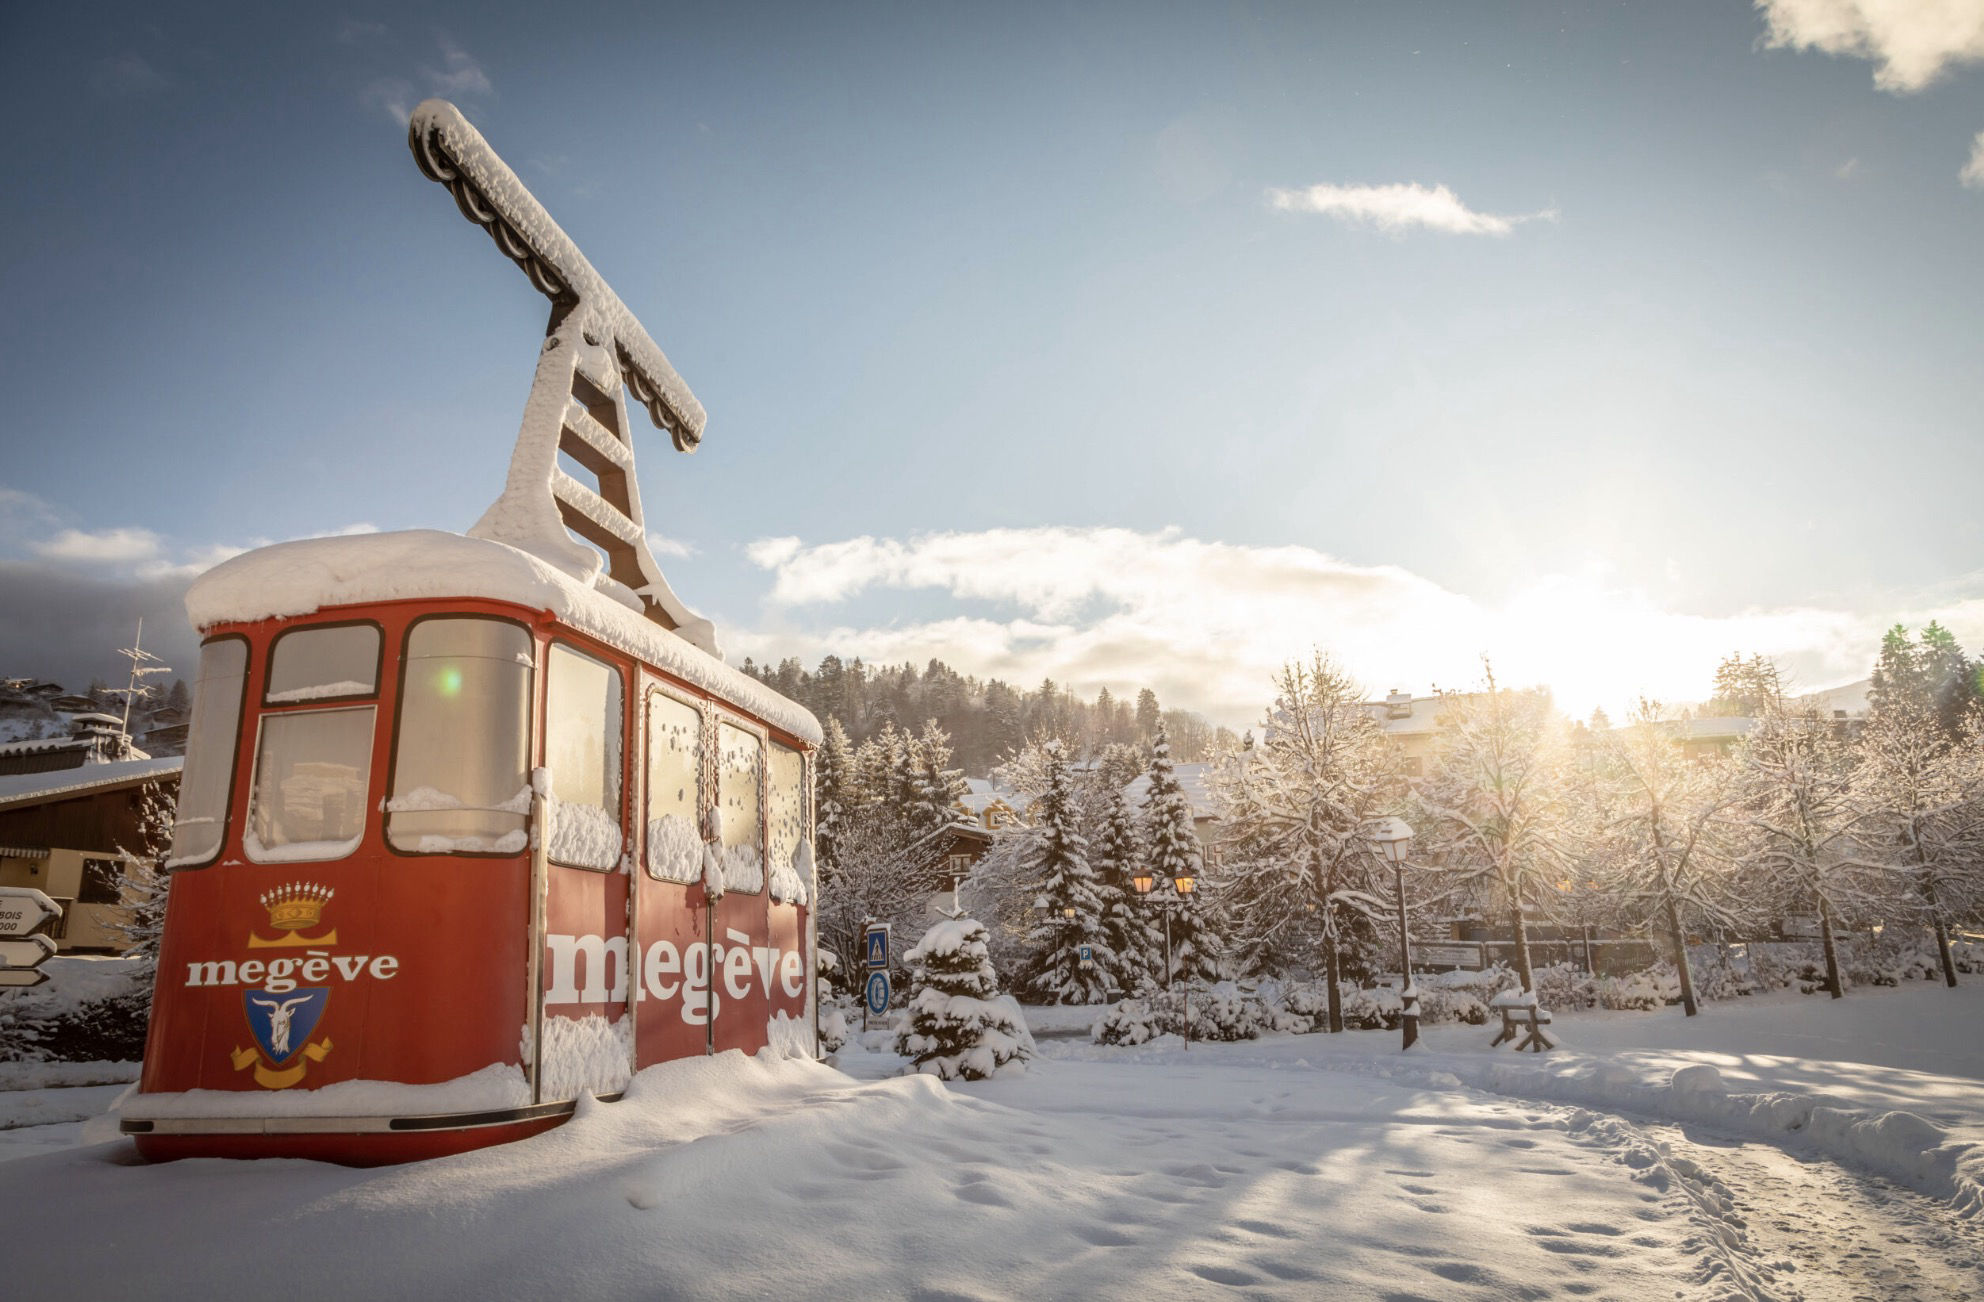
(23, 908)
(28, 952)
(15, 978)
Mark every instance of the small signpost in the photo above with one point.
(23, 912)
(875, 992)
(1087, 955)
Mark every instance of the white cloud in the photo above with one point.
(104, 546)
(1912, 42)
(1972, 174)
(460, 76)
(1207, 623)
(125, 75)
(1398, 208)
(662, 545)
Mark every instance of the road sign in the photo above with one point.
(875, 999)
(23, 909)
(29, 951)
(876, 947)
(1086, 954)
(17, 978)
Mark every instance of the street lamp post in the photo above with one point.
(1181, 886)
(1393, 836)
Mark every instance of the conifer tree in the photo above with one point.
(145, 885)
(1171, 851)
(833, 775)
(960, 1027)
(1058, 861)
(935, 788)
(1132, 933)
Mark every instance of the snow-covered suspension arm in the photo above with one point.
(594, 353)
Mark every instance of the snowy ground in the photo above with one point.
(1290, 1167)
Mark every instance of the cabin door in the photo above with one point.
(586, 1032)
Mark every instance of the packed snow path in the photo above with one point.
(1291, 1167)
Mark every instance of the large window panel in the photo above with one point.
(675, 765)
(785, 820)
(211, 742)
(312, 771)
(738, 757)
(320, 664)
(582, 749)
(461, 765)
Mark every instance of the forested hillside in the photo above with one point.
(986, 720)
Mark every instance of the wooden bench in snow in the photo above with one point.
(1521, 1016)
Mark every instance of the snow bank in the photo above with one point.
(297, 578)
(64, 1075)
(495, 1086)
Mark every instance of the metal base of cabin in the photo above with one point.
(346, 1141)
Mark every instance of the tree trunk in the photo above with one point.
(1519, 928)
(1333, 970)
(1936, 916)
(1680, 941)
(1831, 949)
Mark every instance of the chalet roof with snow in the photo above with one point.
(38, 788)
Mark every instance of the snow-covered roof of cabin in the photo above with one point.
(1195, 780)
(33, 788)
(297, 578)
(982, 793)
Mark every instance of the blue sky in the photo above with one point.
(1084, 342)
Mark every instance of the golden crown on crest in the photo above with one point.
(297, 906)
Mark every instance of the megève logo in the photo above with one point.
(288, 995)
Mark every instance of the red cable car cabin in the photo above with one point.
(471, 826)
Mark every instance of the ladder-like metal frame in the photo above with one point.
(595, 352)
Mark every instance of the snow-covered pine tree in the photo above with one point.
(1171, 851)
(833, 775)
(960, 1027)
(1494, 813)
(145, 885)
(1058, 861)
(935, 788)
(1304, 798)
(1133, 934)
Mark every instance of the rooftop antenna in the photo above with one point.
(594, 353)
(143, 665)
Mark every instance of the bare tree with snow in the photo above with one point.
(1302, 800)
(1494, 811)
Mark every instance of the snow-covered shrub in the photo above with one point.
(1967, 955)
(959, 1027)
(1451, 1004)
(1133, 1021)
(1638, 991)
(1565, 986)
(835, 1007)
(1371, 1010)
(1225, 1012)
(1297, 1008)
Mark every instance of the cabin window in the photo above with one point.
(211, 742)
(582, 750)
(785, 819)
(312, 771)
(325, 663)
(461, 761)
(675, 765)
(738, 756)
